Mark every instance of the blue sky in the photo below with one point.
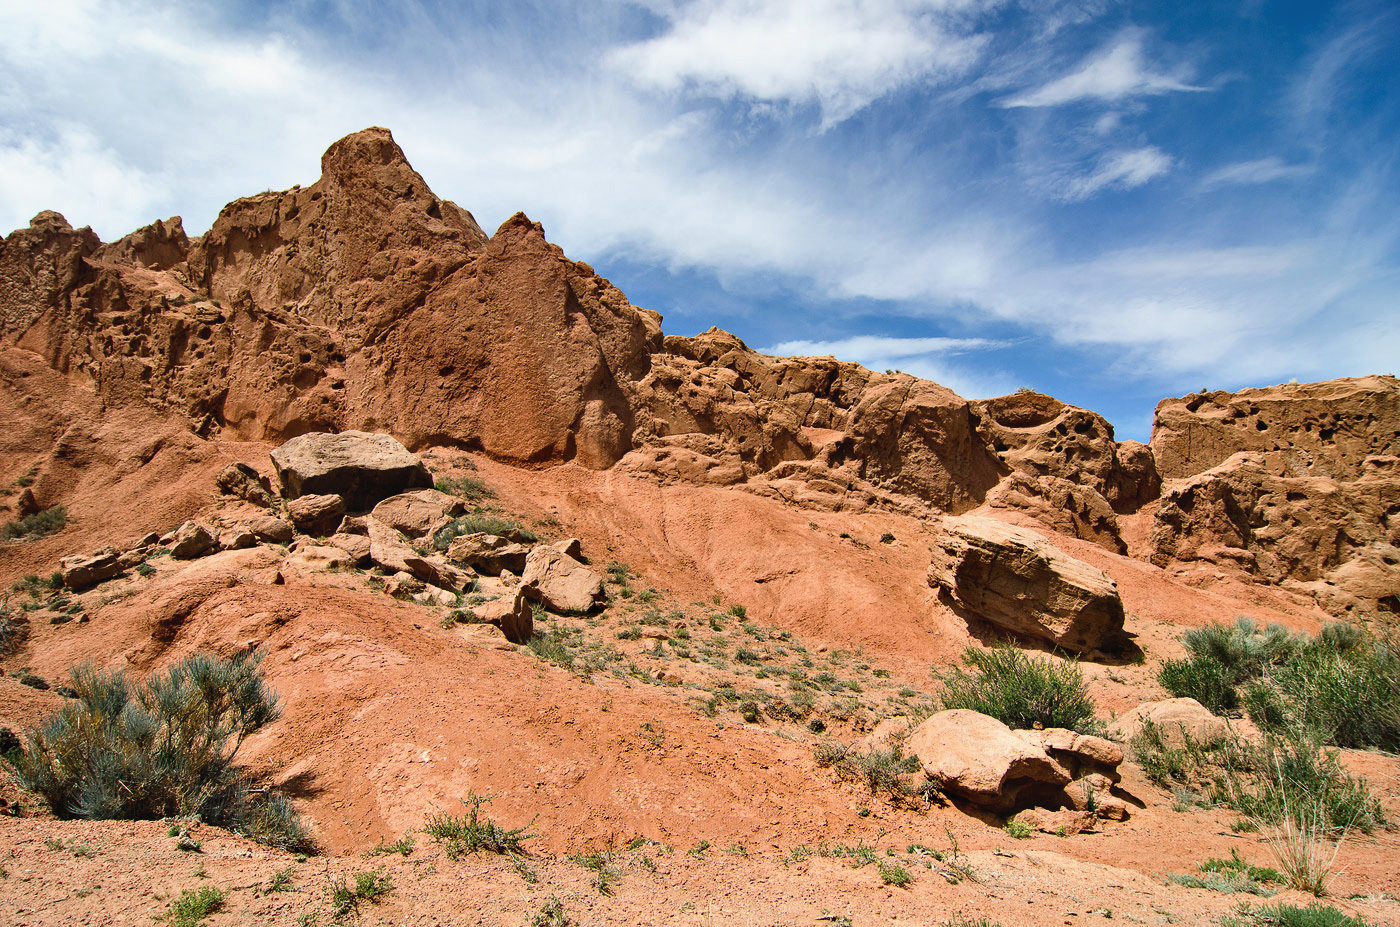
(1109, 202)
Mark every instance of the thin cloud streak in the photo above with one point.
(1114, 73)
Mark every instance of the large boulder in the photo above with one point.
(419, 512)
(1016, 580)
(361, 468)
(561, 582)
(191, 540)
(316, 515)
(976, 757)
(489, 554)
(272, 529)
(512, 613)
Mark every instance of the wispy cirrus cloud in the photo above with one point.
(1116, 72)
(1263, 170)
(1120, 170)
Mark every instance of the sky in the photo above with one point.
(1108, 202)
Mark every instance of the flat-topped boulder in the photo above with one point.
(418, 512)
(1018, 581)
(361, 468)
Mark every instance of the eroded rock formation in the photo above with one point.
(366, 302)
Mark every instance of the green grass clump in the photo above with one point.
(345, 895)
(464, 487)
(1020, 691)
(475, 832)
(193, 906)
(892, 873)
(1231, 875)
(164, 748)
(37, 525)
(1288, 915)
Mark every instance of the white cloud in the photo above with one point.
(75, 174)
(840, 54)
(1264, 170)
(1121, 170)
(1115, 73)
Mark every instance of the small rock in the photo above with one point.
(488, 553)
(316, 515)
(570, 547)
(81, 571)
(191, 540)
(272, 530)
(978, 758)
(417, 513)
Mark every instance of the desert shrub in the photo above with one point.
(1301, 782)
(465, 487)
(1203, 679)
(345, 895)
(1338, 687)
(1231, 875)
(162, 748)
(551, 914)
(1020, 691)
(474, 831)
(37, 525)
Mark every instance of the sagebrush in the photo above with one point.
(161, 748)
(1019, 690)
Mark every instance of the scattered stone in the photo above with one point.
(403, 584)
(241, 480)
(1016, 580)
(361, 468)
(80, 570)
(976, 757)
(489, 554)
(191, 540)
(391, 550)
(561, 582)
(417, 513)
(316, 515)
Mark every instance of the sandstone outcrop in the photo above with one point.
(360, 468)
(1017, 581)
(1297, 485)
(364, 302)
(979, 759)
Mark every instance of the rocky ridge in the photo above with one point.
(365, 302)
